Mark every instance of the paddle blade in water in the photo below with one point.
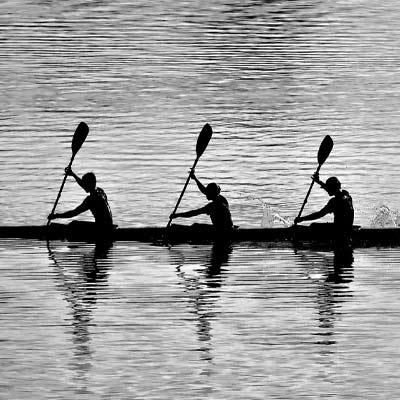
(203, 139)
(325, 149)
(79, 138)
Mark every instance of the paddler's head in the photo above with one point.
(89, 182)
(212, 191)
(332, 185)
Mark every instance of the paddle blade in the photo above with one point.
(79, 138)
(325, 149)
(203, 139)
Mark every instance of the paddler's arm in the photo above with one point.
(316, 215)
(69, 172)
(199, 184)
(316, 179)
(72, 213)
(189, 214)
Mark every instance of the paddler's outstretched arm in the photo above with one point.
(199, 184)
(189, 214)
(70, 214)
(316, 215)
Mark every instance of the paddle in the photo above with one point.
(79, 138)
(325, 149)
(202, 142)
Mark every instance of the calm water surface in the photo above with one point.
(250, 321)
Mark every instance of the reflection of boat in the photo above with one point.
(317, 233)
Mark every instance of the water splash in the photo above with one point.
(270, 217)
(385, 217)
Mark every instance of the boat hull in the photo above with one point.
(315, 233)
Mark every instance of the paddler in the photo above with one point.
(217, 208)
(341, 205)
(96, 202)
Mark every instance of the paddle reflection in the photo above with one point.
(202, 271)
(81, 272)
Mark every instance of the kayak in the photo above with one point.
(318, 233)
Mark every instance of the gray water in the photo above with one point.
(272, 78)
(254, 322)
(148, 322)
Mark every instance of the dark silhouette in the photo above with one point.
(332, 290)
(203, 289)
(96, 202)
(341, 205)
(82, 276)
(342, 266)
(217, 209)
(201, 145)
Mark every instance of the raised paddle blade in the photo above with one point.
(203, 139)
(325, 149)
(79, 138)
(80, 135)
(202, 142)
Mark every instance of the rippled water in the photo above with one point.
(250, 322)
(272, 78)
(140, 321)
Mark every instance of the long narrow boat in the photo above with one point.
(318, 233)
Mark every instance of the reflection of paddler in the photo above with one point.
(219, 256)
(217, 208)
(342, 266)
(96, 202)
(83, 281)
(202, 289)
(340, 205)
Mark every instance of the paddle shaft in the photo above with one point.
(183, 190)
(61, 188)
(308, 193)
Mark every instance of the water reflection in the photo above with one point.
(333, 274)
(202, 285)
(194, 319)
(342, 266)
(81, 274)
